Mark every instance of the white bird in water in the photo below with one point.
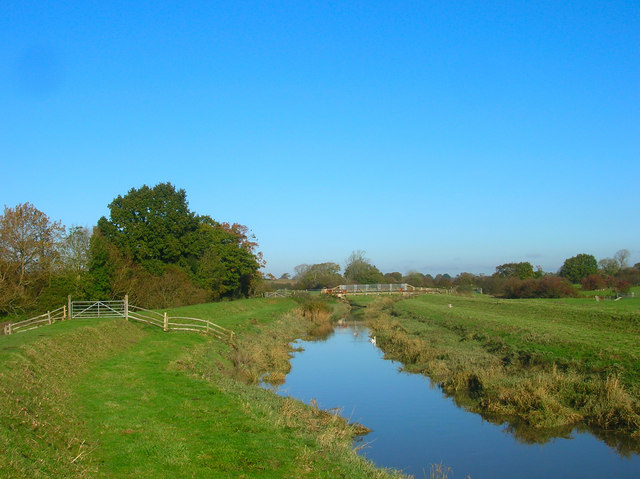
(373, 340)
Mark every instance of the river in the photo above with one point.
(414, 425)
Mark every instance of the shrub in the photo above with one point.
(593, 282)
(545, 287)
(622, 286)
(630, 275)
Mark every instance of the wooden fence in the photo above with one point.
(179, 323)
(96, 309)
(37, 321)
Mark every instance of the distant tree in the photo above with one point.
(74, 249)
(428, 281)
(493, 284)
(359, 269)
(322, 275)
(414, 278)
(578, 267)
(285, 276)
(515, 270)
(443, 281)
(28, 241)
(538, 273)
(630, 275)
(29, 244)
(465, 279)
(593, 282)
(300, 270)
(608, 266)
(622, 286)
(622, 258)
(465, 282)
(393, 278)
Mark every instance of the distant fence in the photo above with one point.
(617, 297)
(284, 293)
(389, 288)
(121, 309)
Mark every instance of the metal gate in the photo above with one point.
(98, 309)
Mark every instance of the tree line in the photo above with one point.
(151, 247)
(510, 280)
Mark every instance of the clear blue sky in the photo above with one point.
(436, 136)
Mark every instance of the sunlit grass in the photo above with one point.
(110, 398)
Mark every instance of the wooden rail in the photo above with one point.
(179, 323)
(37, 321)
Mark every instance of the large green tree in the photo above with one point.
(522, 270)
(151, 231)
(151, 224)
(227, 260)
(578, 267)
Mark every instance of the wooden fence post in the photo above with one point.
(69, 305)
(10, 331)
(126, 307)
(166, 322)
(64, 312)
(49, 316)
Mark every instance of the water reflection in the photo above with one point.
(415, 425)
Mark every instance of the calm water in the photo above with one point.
(415, 425)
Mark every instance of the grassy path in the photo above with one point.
(111, 398)
(152, 420)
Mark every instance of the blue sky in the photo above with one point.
(436, 136)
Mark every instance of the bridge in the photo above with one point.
(389, 288)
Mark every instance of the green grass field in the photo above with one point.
(110, 398)
(547, 363)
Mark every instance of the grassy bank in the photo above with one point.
(110, 398)
(547, 365)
